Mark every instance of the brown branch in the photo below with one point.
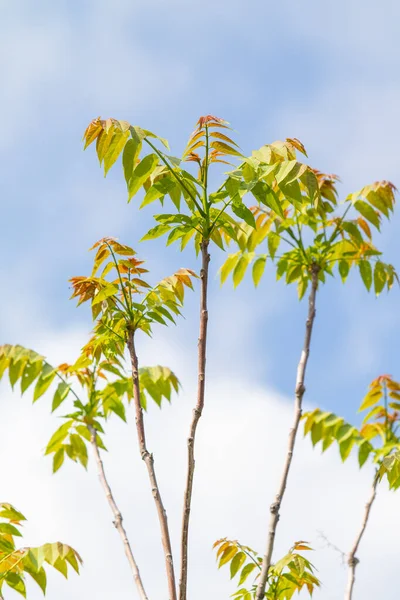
(149, 461)
(352, 560)
(117, 514)
(299, 393)
(202, 345)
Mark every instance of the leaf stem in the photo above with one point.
(337, 228)
(219, 214)
(128, 307)
(172, 171)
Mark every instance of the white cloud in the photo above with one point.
(241, 444)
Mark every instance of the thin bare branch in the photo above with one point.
(329, 544)
(202, 345)
(149, 461)
(299, 393)
(352, 560)
(117, 515)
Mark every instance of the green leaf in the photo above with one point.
(371, 398)
(39, 577)
(368, 213)
(115, 149)
(243, 212)
(44, 381)
(290, 171)
(241, 267)
(130, 156)
(15, 370)
(344, 269)
(16, 582)
(159, 189)
(148, 133)
(302, 287)
(62, 392)
(58, 437)
(281, 268)
(80, 449)
(141, 173)
(9, 529)
(293, 273)
(264, 194)
(366, 273)
(58, 459)
(156, 232)
(109, 290)
(227, 554)
(246, 572)
(228, 266)
(258, 269)
(7, 511)
(237, 562)
(345, 448)
(379, 277)
(363, 452)
(273, 243)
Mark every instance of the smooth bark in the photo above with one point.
(299, 393)
(197, 412)
(352, 560)
(149, 461)
(117, 515)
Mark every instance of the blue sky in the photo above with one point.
(325, 73)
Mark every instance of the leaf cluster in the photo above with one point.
(204, 215)
(122, 300)
(298, 215)
(16, 563)
(290, 574)
(378, 435)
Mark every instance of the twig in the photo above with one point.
(329, 544)
(149, 461)
(299, 393)
(202, 344)
(352, 560)
(117, 514)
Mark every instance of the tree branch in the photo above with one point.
(352, 560)
(117, 515)
(299, 393)
(202, 345)
(149, 461)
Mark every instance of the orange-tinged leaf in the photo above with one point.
(297, 144)
(93, 130)
(227, 555)
(224, 148)
(223, 137)
(103, 143)
(118, 142)
(364, 226)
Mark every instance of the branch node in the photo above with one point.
(274, 508)
(353, 561)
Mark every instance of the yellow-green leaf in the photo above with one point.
(141, 173)
(229, 265)
(241, 267)
(130, 155)
(366, 273)
(258, 269)
(379, 277)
